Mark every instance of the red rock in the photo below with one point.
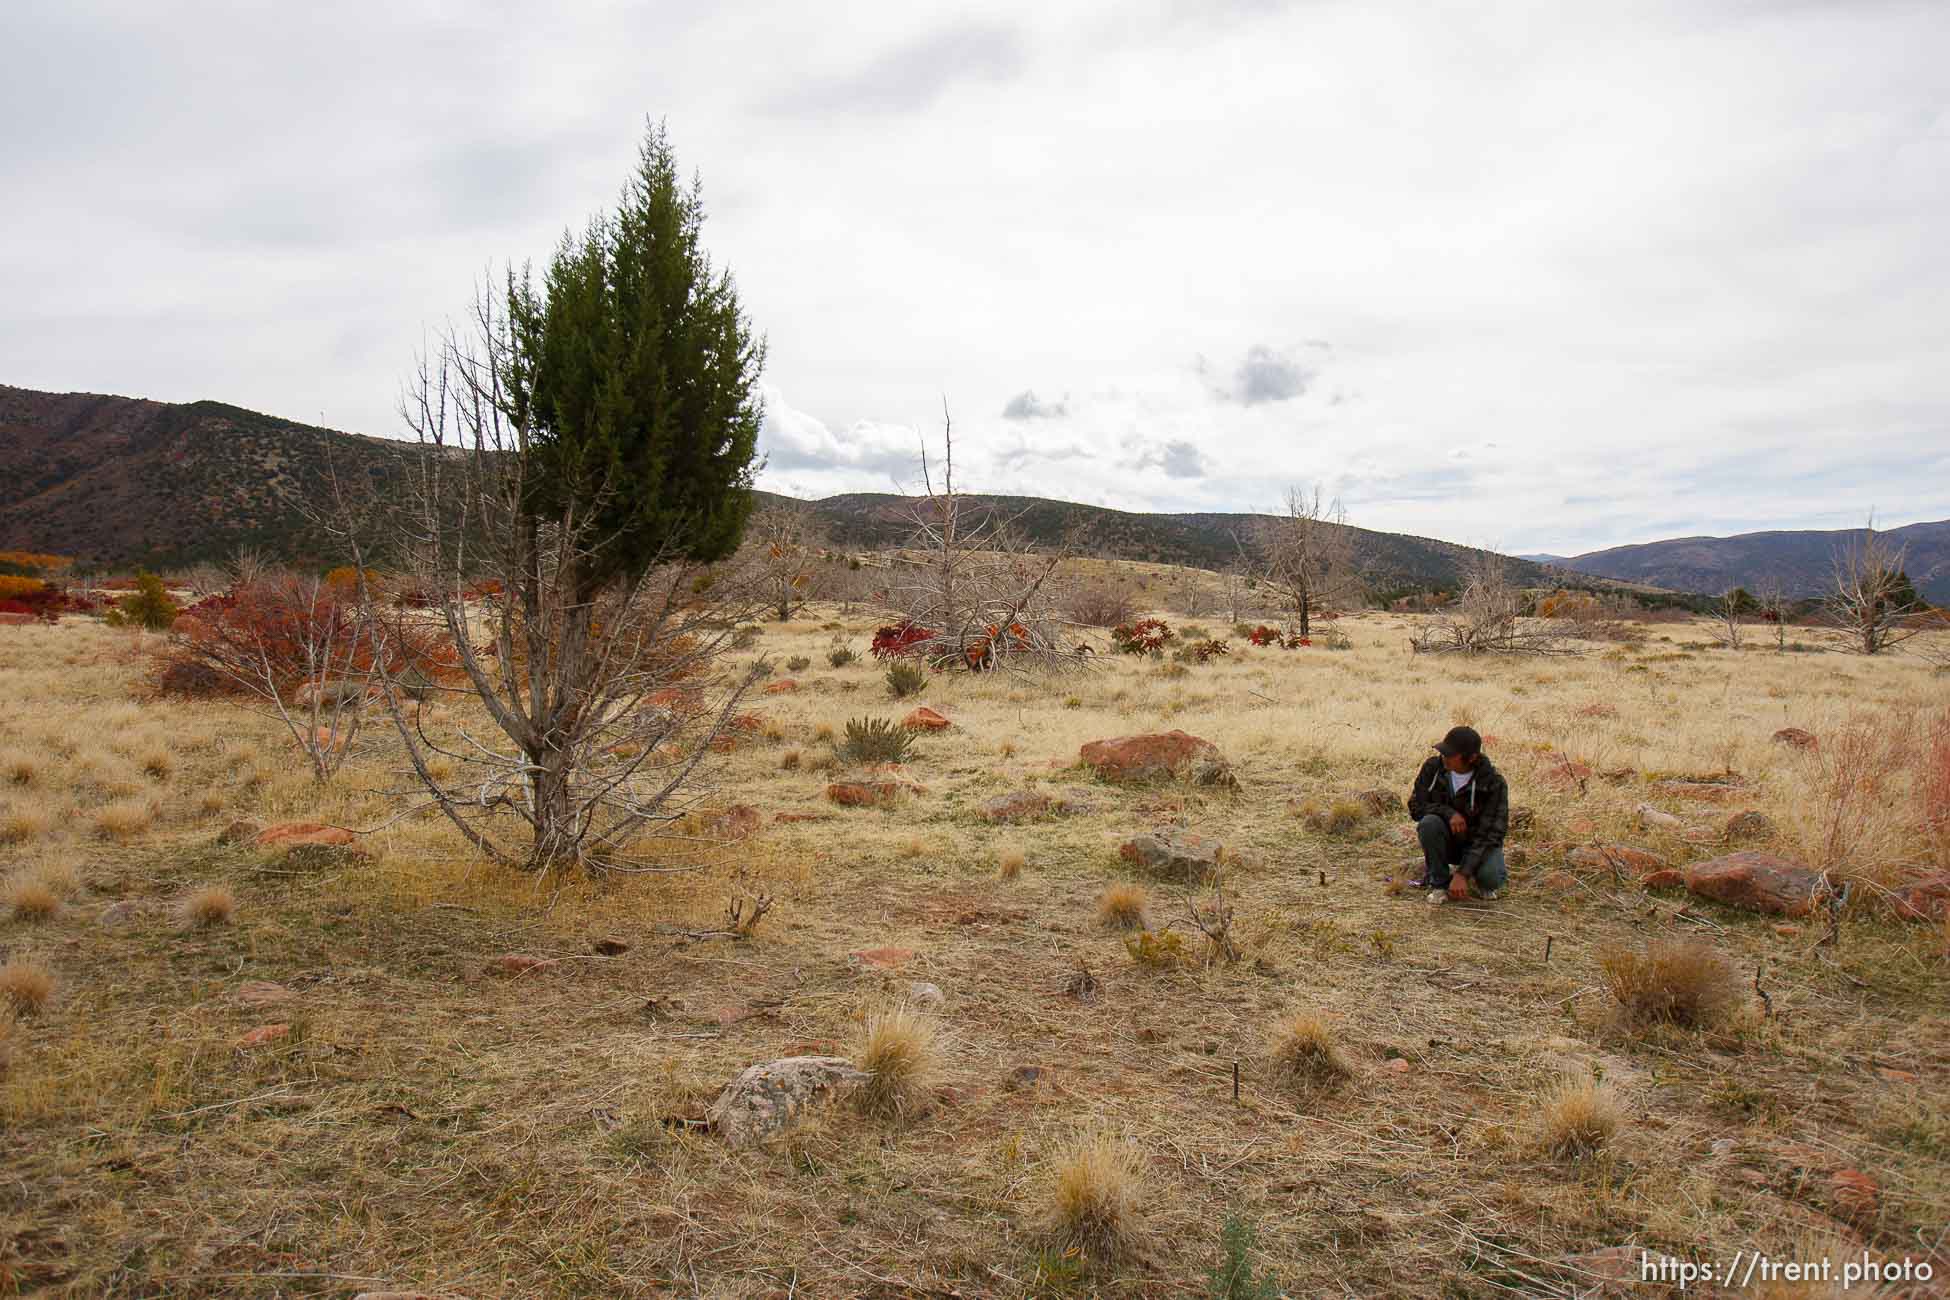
(1398, 1065)
(1856, 1194)
(519, 963)
(286, 834)
(264, 1034)
(925, 719)
(883, 958)
(1557, 880)
(734, 823)
(1158, 756)
(1017, 806)
(1622, 857)
(1666, 879)
(1752, 824)
(1758, 882)
(15, 620)
(1796, 738)
(1565, 775)
(1894, 1075)
(784, 686)
(1787, 931)
(1926, 900)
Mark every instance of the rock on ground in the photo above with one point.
(1752, 824)
(1926, 900)
(1174, 854)
(770, 1098)
(867, 794)
(925, 719)
(1757, 882)
(1158, 756)
(1796, 738)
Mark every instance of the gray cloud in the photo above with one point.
(1027, 406)
(1178, 458)
(917, 73)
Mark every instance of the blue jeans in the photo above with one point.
(1441, 850)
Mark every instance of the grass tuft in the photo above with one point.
(1579, 1118)
(1094, 1197)
(26, 985)
(1677, 982)
(29, 898)
(18, 825)
(898, 1050)
(124, 819)
(1121, 906)
(1304, 1052)
(1010, 862)
(210, 906)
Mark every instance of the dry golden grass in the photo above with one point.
(8, 1033)
(898, 1049)
(1121, 906)
(1579, 1118)
(1672, 981)
(1304, 1052)
(1094, 1198)
(1009, 862)
(19, 767)
(18, 825)
(124, 819)
(29, 898)
(157, 761)
(26, 985)
(208, 906)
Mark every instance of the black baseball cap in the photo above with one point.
(1460, 740)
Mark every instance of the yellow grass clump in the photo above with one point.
(210, 906)
(1121, 906)
(28, 897)
(26, 985)
(124, 819)
(18, 825)
(1094, 1198)
(1674, 981)
(157, 761)
(1579, 1118)
(1304, 1052)
(898, 1050)
(1010, 862)
(18, 767)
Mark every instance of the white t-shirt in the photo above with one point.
(1457, 780)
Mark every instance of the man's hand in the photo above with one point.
(1457, 825)
(1458, 887)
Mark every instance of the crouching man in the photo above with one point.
(1461, 809)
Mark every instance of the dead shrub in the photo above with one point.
(1121, 906)
(212, 905)
(1304, 1052)
(1101, 605)
(1579, 1118)
(1094, 1198)
(1674, 981)
(26, 985)
(898, 1051)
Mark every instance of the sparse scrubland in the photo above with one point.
(356, 1056)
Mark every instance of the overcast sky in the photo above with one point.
(1541, 276)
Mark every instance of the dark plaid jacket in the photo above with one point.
(1484, 804)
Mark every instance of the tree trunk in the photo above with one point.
(555, 828)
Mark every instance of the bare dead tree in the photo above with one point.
(966, 591)
(1772, 604)
(782, 543)
(1486, 617)
(1871, 602)
(1730, 611)
(589, 710)
(1306, 558)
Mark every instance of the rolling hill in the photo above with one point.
(117, 481)
(1801, 561)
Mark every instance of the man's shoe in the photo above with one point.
(1437, 897)
(1490, 895)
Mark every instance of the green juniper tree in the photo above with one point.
(592, 440)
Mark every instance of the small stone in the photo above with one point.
(923, 994)
(1617, 857)
(882, 958)
(1796, 738)
(1925, 900)
(770, 1098)
(1022, 1077)
(609, 947)
(264, 1034)
(519, 963)
(1397, 1065)
(1787, 931)
(1855, 1193)
(925, 719)
(117, 915)
(1752, 824)
(1175, 854)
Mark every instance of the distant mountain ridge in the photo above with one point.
(1802, 561)
(119, 481)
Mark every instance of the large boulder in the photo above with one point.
(1174, 854)
(770, 1098)
(1758, 882)
(1158, 756)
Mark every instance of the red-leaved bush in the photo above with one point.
(898, 640)
(1145, 636)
